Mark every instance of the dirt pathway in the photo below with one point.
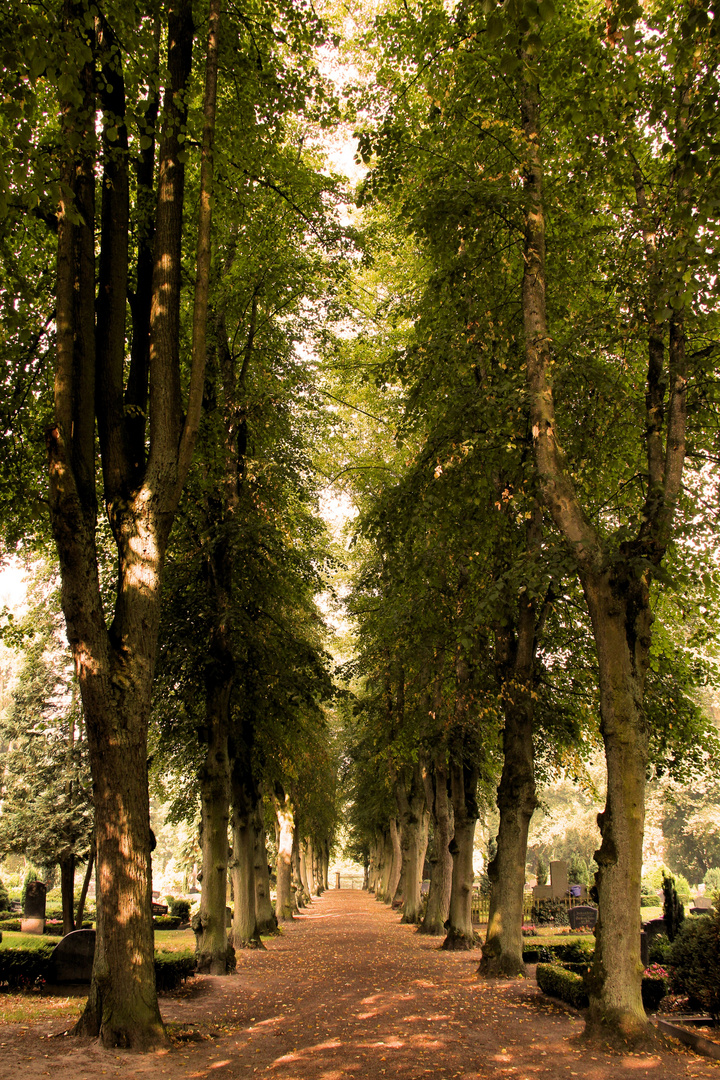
(348, 992)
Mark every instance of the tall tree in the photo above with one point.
(145, 436)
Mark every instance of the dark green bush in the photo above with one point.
(180, 907)
(550, 912)
(673, 910)
(4, 898)
(659, 949)
(649, 901)
(9, 924)
(560, 983)
(653, 991)
(23, 967)
(695, 961)
(172, 969)
(166, 922)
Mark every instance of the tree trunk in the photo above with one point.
(303, 865)
(616, 583)
(414, 818)
(621, 625)
(115, 665)
(214, 956)
(85, 886)
(517, 799)
(395, 873)
(266, 919)
(245, 928)
(463, 783)
(67, 892)
(286, 828)
(302, 898)
(441, 862)
(122, 1005)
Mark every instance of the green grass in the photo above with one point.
(174, 940)
(13, 939)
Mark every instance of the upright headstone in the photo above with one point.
(582, 915)
(33, 920)
(72, 958)
(337, 879)
(559, 879)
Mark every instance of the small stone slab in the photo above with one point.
(32, 926)
(582, 915)
(35, 894)
(654, 927)
(159, 909)
(72, 958)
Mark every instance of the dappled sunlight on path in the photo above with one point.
(348, 992)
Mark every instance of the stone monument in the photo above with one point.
(33, 920)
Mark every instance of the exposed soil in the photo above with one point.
(348, 992)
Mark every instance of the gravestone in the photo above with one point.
(33, 920)
(654, 927)
(582, 915)
(559, 879)
(159, 909)
(72, 958)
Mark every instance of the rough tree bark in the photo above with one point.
(244, 799)
(284, 903)
(516, 797)
(463, 786)
(266, 919)
(394, 864)
(115, 664)
(213, 954)
(441, 862)
(415, 819)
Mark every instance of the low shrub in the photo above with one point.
(10, 924)
(23, 967)
(649, 901)
(537, 954)
(180, 907)
(4, 898)
(172, 969)
(695, 962)
(575, 952)
(166, 922)
(558, 982)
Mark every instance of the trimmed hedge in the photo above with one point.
(23, 967)
(55, 928)
(574, 952)
(166, 922)
(172, 969)
(558, 982)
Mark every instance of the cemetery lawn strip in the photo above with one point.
(346, 992)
